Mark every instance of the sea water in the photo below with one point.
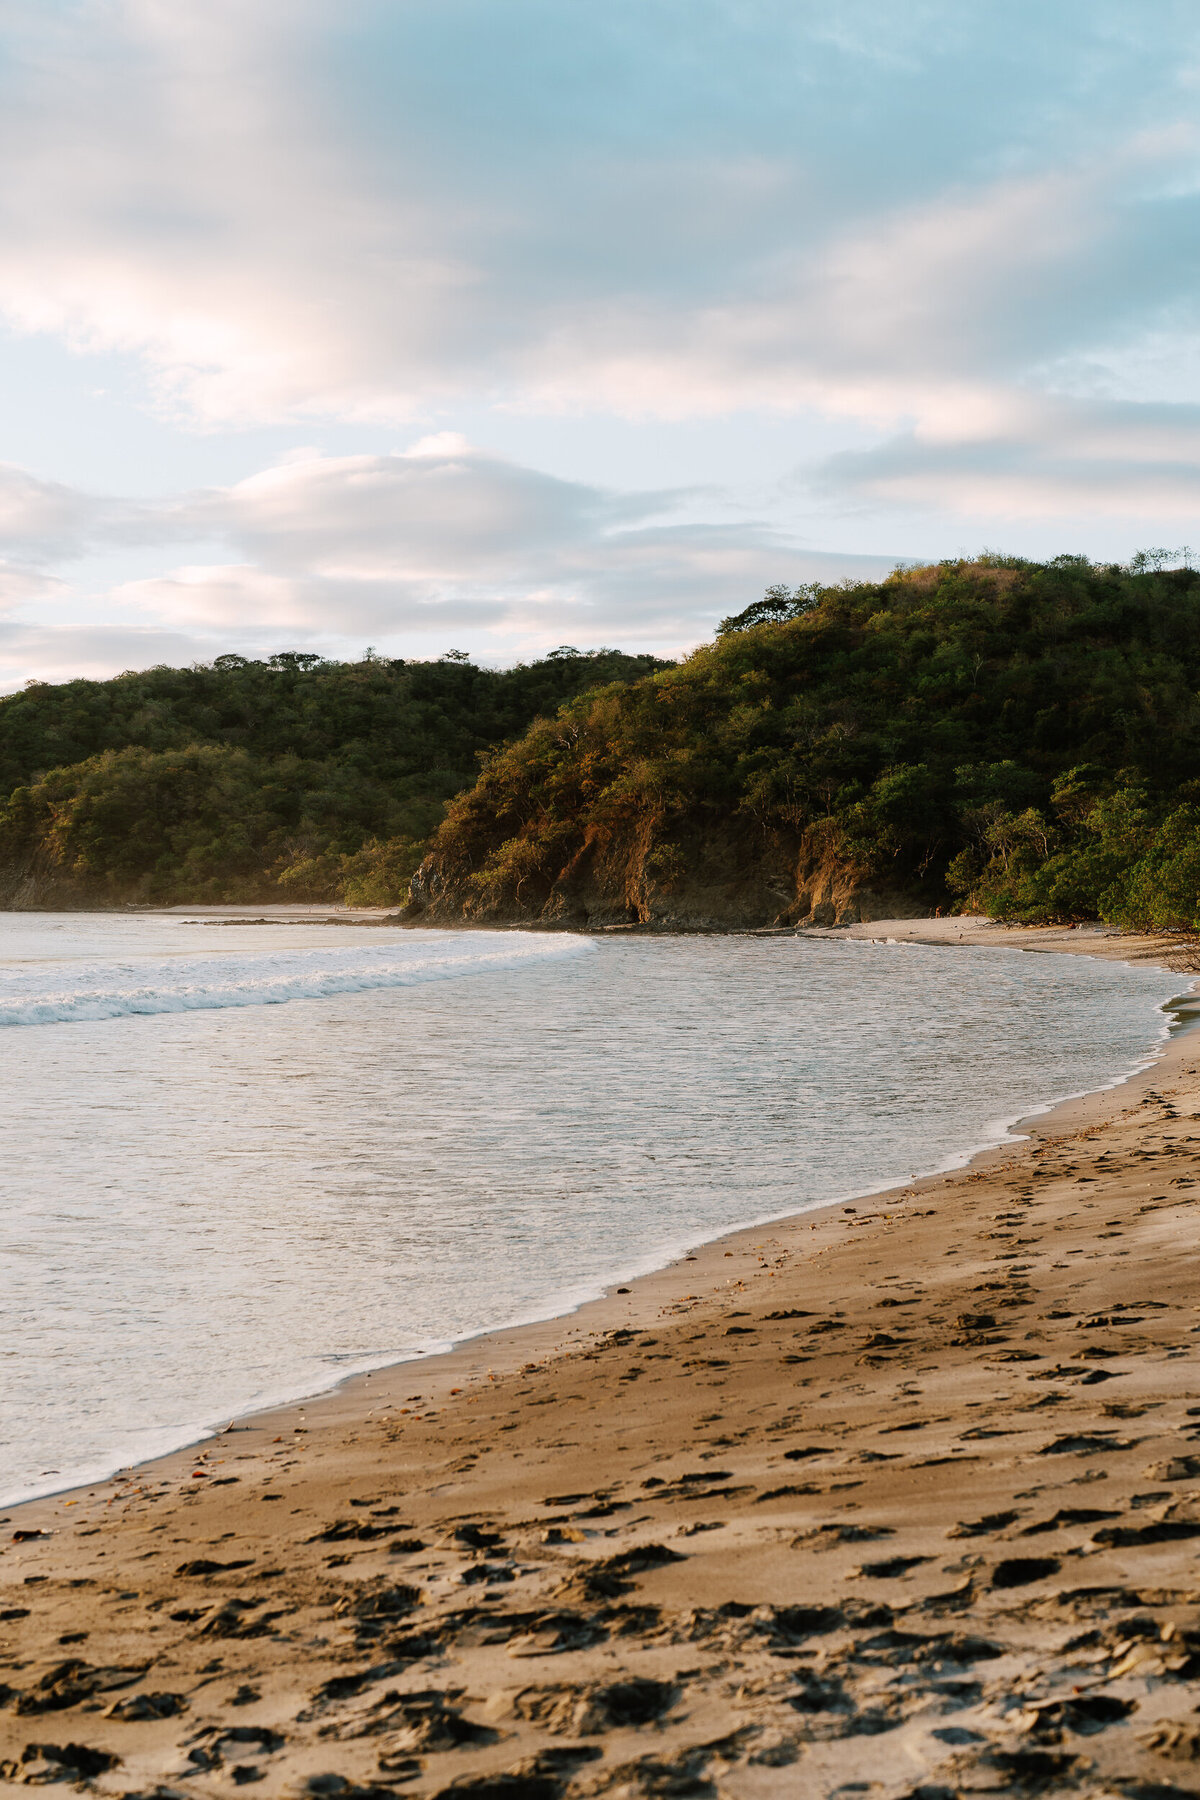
(241, 1161)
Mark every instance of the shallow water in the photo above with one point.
(242, 1161)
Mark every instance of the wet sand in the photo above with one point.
(895, 1499)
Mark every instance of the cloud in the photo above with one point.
(403, 549)
(448, 542)
(217, 596)
(965, 234)
(42, 520)
(19, 587)
(1045, 458)
(302, 208)
(357, 517)
(32, 652)
(446, 535)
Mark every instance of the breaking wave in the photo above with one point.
(77, 992)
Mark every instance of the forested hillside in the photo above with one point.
(292, 778)
(1015, 737)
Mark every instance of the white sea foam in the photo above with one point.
(118, 989)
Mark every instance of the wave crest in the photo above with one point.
(114, 990)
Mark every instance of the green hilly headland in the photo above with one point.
(1001, 735)
(286, 779)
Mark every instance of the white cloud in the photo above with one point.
(446, 541)
(1047, 458)
(972, 230)
(293, 207)
(41, 520)
(20, 587)
(447, 535)
(216, 596)
(32, 652)
(365, 517)
(407, 548)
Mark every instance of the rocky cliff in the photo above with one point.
(720, 880)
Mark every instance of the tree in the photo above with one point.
(777, 605)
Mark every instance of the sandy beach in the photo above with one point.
(900, 1498)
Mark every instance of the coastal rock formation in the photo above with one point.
(721, 879)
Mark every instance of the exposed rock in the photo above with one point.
(719, 879)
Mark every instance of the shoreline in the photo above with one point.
(734, 1533)
(1102, 942)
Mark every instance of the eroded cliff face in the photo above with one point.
(722, 880)
(28, 886)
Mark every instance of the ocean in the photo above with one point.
(243, 1161)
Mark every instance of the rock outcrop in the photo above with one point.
(718, 881)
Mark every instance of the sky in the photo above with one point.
(502, 324)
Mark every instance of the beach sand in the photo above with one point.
(896, 1499)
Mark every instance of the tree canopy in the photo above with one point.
(1018, 737)
(999, 734)
(288, 777)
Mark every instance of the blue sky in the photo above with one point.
(497, 325)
